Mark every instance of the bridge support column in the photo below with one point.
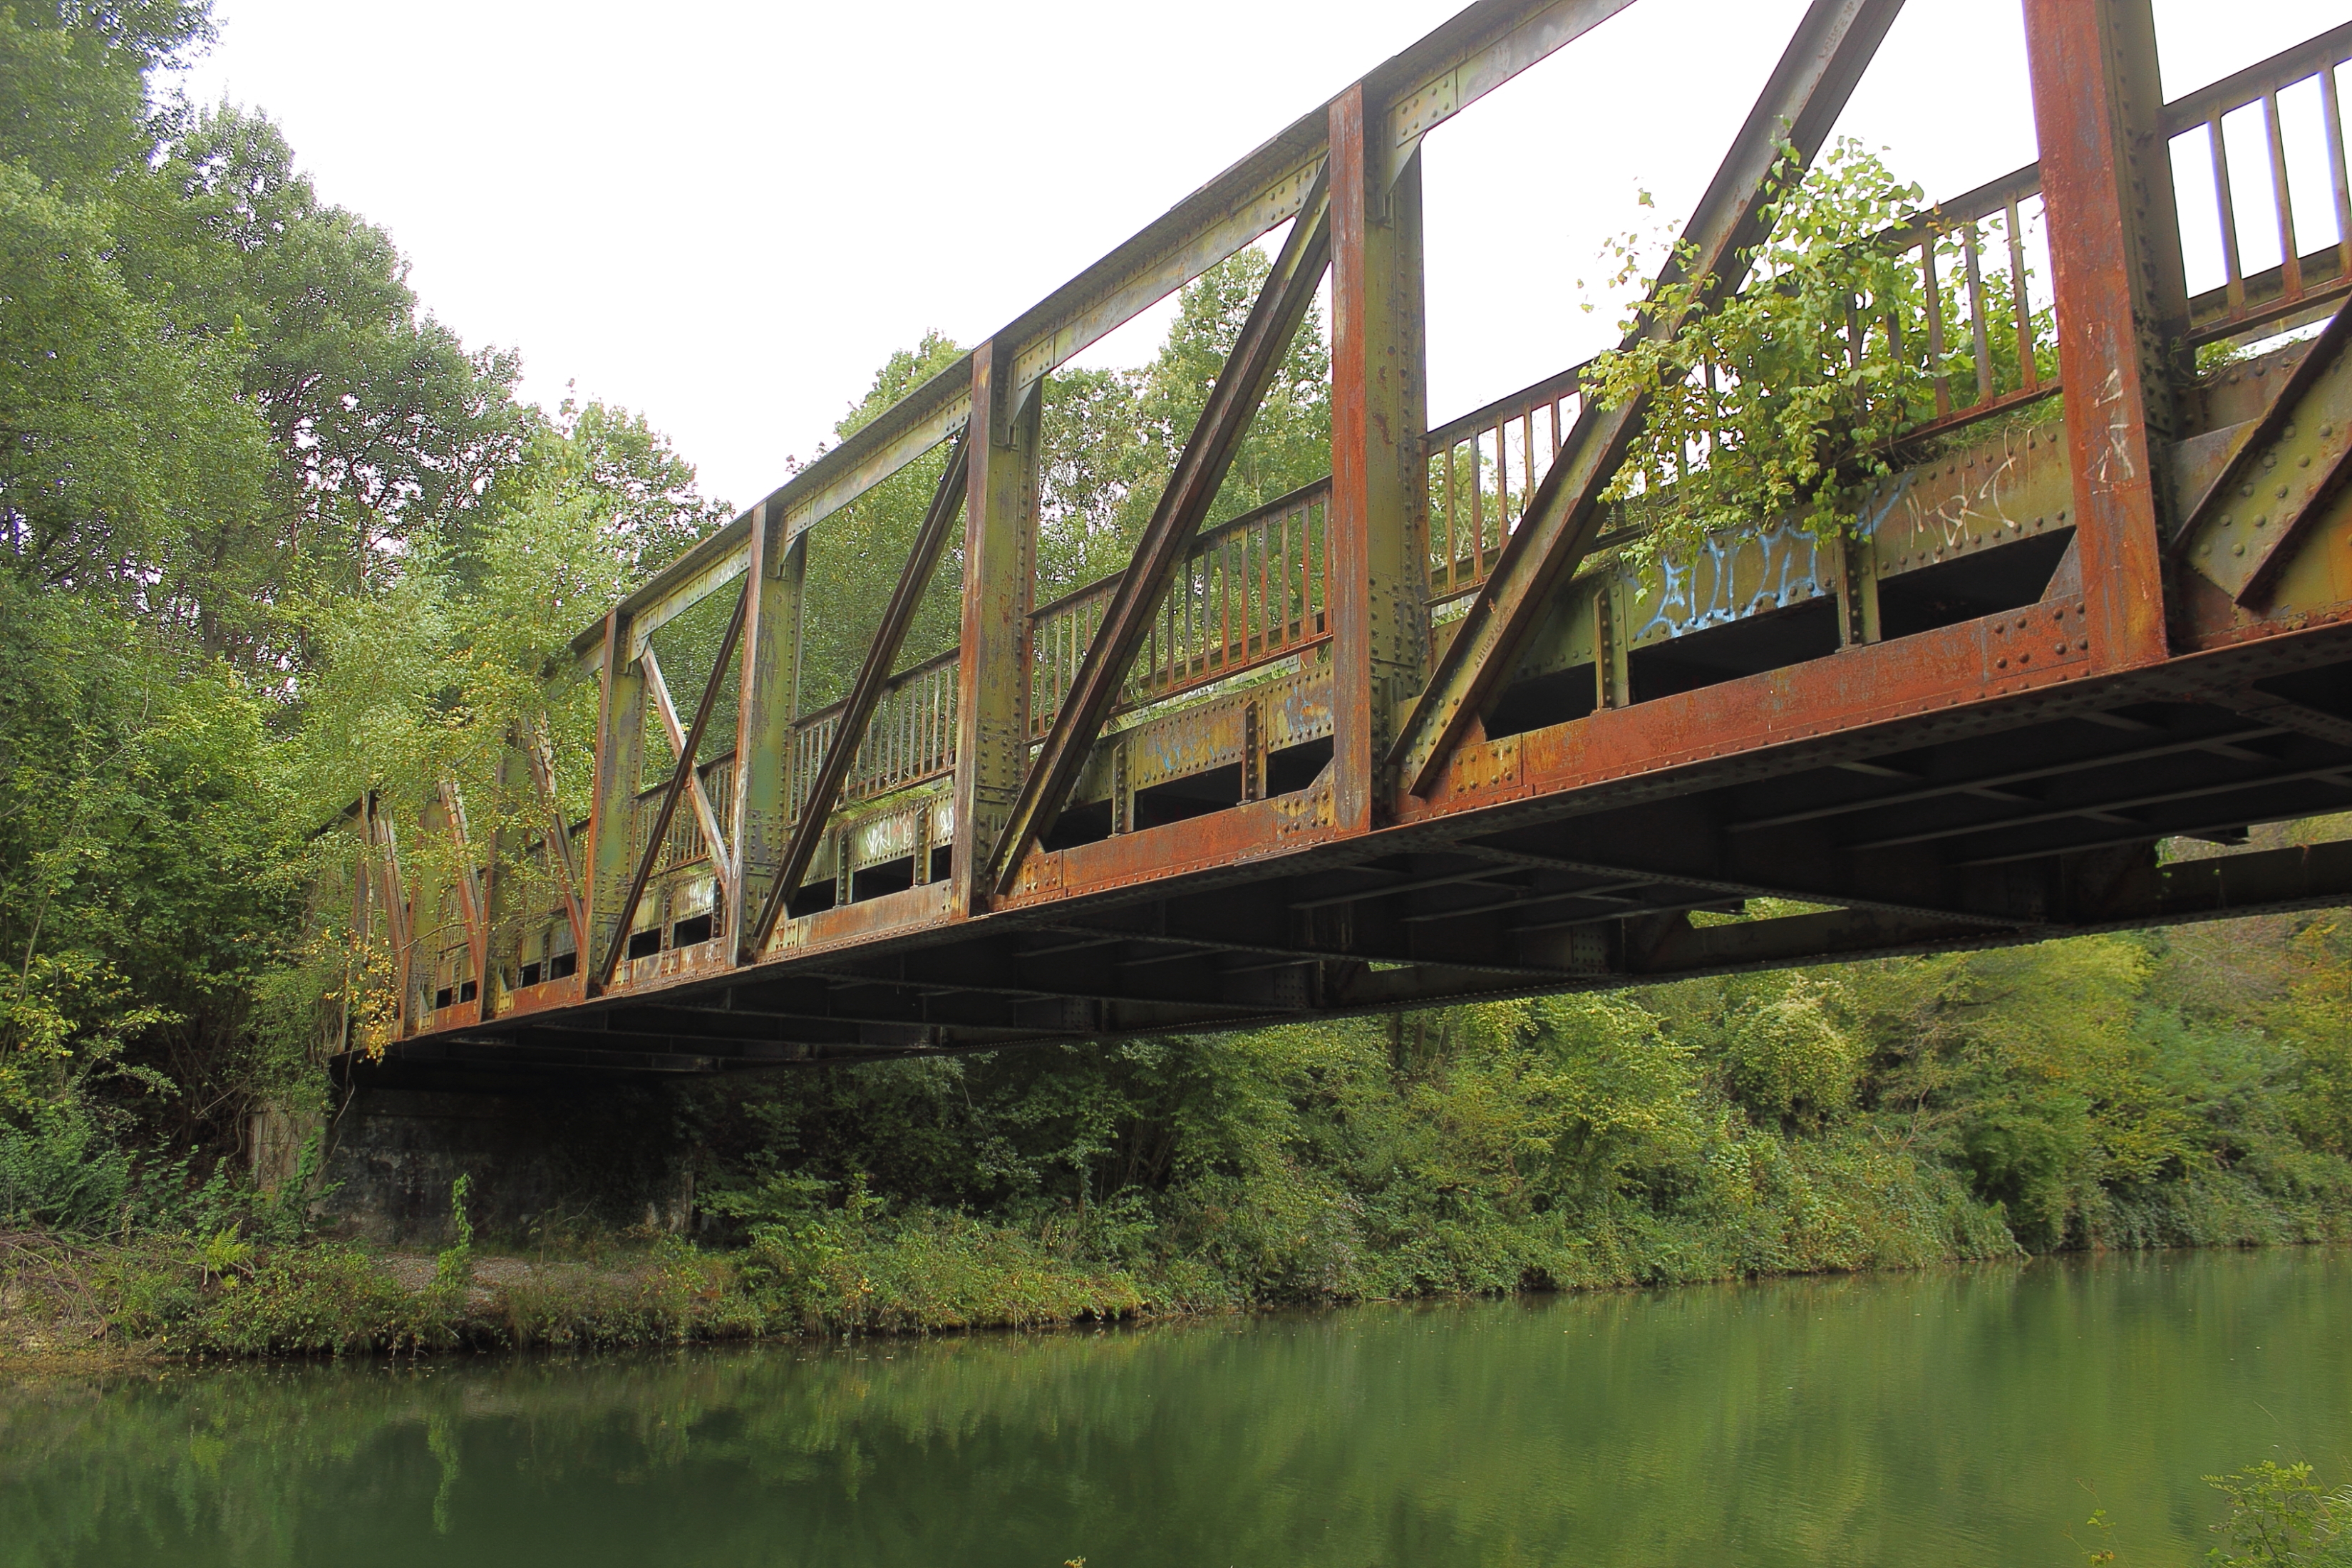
(763, 814)
(610, 1157)
(2114, 252)
(1000, 538)
(1378, 572)
(611, 817)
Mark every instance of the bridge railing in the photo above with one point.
(684, 844)
(1250, 591)
(2237, 213)
(909, 740)
(1483, 468)
(1976, 326)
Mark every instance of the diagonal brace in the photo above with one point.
(602, 975)
(1800, 104)
(2284, 470)
(832, 774)
(538, 751)
(1191, 488)
(722, 861)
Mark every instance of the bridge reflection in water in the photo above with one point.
(1414, 734)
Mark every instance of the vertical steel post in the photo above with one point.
(2115, 253)
(999, 581)
(612, 816)
(1378, 562)
(760, 819)
(501, 912)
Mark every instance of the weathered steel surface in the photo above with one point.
(2115, 259)
(1165, 802)
(873, 676)
(681, 776)
(1808, 88)
(1167, 539)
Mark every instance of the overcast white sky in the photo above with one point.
(726, 214)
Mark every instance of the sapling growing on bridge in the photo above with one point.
(1792, 395)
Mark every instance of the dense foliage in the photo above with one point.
(270, 535)
(1792, 394)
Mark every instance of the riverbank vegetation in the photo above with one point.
(269, 533)
(2175, 1089)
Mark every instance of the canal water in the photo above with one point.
(1970, 1416)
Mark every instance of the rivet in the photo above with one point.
(2288, 431)
(2000, 664)
(2061, 649)
(2245, 490)
(2237, 550)
(2062, 514)
(2226, 520)
(2082, 644)
(2325, 431)
(2304, 461)
(2262, 520)
(2282, 491)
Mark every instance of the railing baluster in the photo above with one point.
(1527, 453)
(1477, 509)
(2030, 373)
(1452, 542)
(2289, 259)
(1502, 481)
(2232, 271)
(2332, 120)
(1977, 333)
(1935, 329)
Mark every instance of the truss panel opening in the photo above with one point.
(1969, 588)
(890, 876)
(1773, 641)
(1543, 701)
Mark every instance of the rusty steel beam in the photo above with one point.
(1808, 90)
(1990, 784)
(705, 815)
(2121, 305)
(1378, 573)
(397, 911)
(1249, 369)
(538, 751)
(601, 975)
(473, 904)
(992, 743)
(2288, 466)
(1457, 63)
(611, 804)
(849, 733)
(777, 574)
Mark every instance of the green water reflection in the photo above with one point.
(1966, 1418)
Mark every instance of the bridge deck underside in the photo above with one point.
(2014, 820)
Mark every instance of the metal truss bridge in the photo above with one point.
(1411, 735)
